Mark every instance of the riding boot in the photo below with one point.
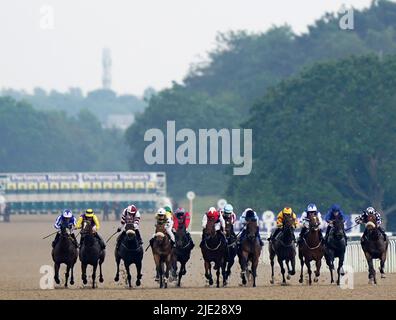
(327, 234)
(202, 239)
(273, 236)
(258, 236)
(301, 235)
(364, 236)
(139, 237)
(119, 239)
(75, 242)
(383, 233)
(190, 240)
(55, 240)
(346, 237)
(101, 242)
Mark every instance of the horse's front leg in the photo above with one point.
(56, 275)
(308, 264)
(72, 274)
(254, 270)
(382, 265)
(208, 273)
(100, 271)
(372, 278)
(181, 272)
(139, 273)
(117, 276)
(340, 265)
(272, 258)
(94, 267)
(84, 273)
(243, 263)
(280, 261)
(67, 274)
(301, 257)
(317, 271)
(129, 277)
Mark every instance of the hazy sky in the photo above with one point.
(152, 41)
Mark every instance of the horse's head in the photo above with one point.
(130, 231)
(251, 228)
(338, 227)
(314, 223)
(210, 229)
(87, 228)
(181, 235)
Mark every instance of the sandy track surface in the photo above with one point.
(23, 252)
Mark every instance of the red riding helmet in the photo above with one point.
(132, 209)
(212, 213)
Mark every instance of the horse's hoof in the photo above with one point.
(284, 284)
(383, 276)
(116, 279)
(288, 277)
(244, 282)
(316, 279)
(156, 279)
(85, 281)
(72, 282)
(272, 281)
(138, 283)
(300, 280)
(57, 280)
(211, 282)
(101, 280)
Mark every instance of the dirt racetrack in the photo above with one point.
(23, 252)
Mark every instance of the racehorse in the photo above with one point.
(311, 249)
(162, 253)
(232, 248)
(131, 252)
(284, 248)
(335, 247)
(214, 250)
(182, 251)
(249, 252)
(65, 251)
(374, 247)
(91, 253)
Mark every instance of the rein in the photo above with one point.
(313, 248)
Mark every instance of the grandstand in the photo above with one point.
(43, 193)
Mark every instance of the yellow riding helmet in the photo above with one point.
(89, 212)
(287, 210)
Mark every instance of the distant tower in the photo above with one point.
(106, 63)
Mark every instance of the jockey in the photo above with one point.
(90, 216)
(162, 219)
(213, 215)
(279, 221)
(334, 212)
(67, 220)
(304, 221)
(249, 215)
(130, 215)
(228, 214)
(169, 213)
(363, 218)
(184, 217)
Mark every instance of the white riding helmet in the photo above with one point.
(67, 213)
(161, 212)
(228, 208)
(370, 210)
(312, 208)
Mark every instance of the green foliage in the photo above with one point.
(34, 140)
(219, 92)
(100, 102)
(325, 136)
